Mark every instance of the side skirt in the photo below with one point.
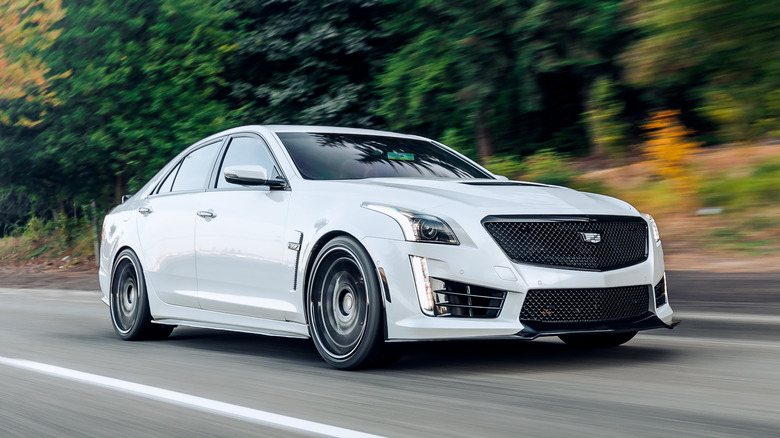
(273, 328)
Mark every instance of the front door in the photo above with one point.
(241, 240)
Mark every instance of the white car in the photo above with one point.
(361, 239)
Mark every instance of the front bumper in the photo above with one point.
(488, 267)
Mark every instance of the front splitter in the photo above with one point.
(648, 321)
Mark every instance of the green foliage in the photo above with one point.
(143, 83)
(545, 166)
(15, 207)
(592, 186)
(719, 57)
(608, 132)
(505, 166)
(754, 234)
(549, 167)
(115, 89)
(307, 61)
(759, 188)
(26, 31)
(514, 75)
(64, 237)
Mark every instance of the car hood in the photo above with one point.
(486, 197)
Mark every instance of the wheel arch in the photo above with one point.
(116, 257)
(312, 257)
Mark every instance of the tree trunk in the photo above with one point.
(119, 188)
(95, 236)
(484, 142)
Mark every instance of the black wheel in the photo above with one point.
(129, 303)
(597, 340)
(345, 306)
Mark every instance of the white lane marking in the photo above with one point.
(729, 317)
(710, 341)
(52, 293)
(186, 400)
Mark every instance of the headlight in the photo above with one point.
(418, 227)
(653, 227)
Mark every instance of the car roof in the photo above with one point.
(315, 129)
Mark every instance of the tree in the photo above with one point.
(455, 68)
(307, 61)
(719, 57)
(669, 151)
(25, 31)
(608, 133)
(145, 84)
(506, 76)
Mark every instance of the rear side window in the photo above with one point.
(195, 169)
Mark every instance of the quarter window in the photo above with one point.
(165, 187)
(244, 151)
(195, 169)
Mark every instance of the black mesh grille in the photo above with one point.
(599, 243)
(660, 296)
(585, 305)
(466, 301)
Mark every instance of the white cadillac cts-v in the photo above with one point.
(360, 239)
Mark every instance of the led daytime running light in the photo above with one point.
(423, 284)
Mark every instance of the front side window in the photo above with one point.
(246, 151)
(354, 156)
(194, 170)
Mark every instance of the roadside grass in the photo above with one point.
(755, 232)
(63, 242)
(730, 204)
(761, 186)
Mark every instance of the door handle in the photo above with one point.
(144, 210)
(209, 214)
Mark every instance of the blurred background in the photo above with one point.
(672, 105)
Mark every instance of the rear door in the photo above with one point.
(166, 228)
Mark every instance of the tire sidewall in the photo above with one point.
(142, 315)
(370, 345)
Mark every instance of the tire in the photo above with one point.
(345, 307)
(598, 340)
(129, 303)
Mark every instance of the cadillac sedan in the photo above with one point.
(362, 239)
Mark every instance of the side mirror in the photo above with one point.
(251, 175)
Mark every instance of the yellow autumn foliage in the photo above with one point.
(25, 31)
(669, 150)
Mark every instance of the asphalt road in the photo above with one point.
(63, 373)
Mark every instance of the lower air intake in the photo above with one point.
(585, 305)
(461, 300)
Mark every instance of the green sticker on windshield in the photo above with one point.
(405, 156)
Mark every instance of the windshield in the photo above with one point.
(354, 156)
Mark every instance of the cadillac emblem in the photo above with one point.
(591, 237)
